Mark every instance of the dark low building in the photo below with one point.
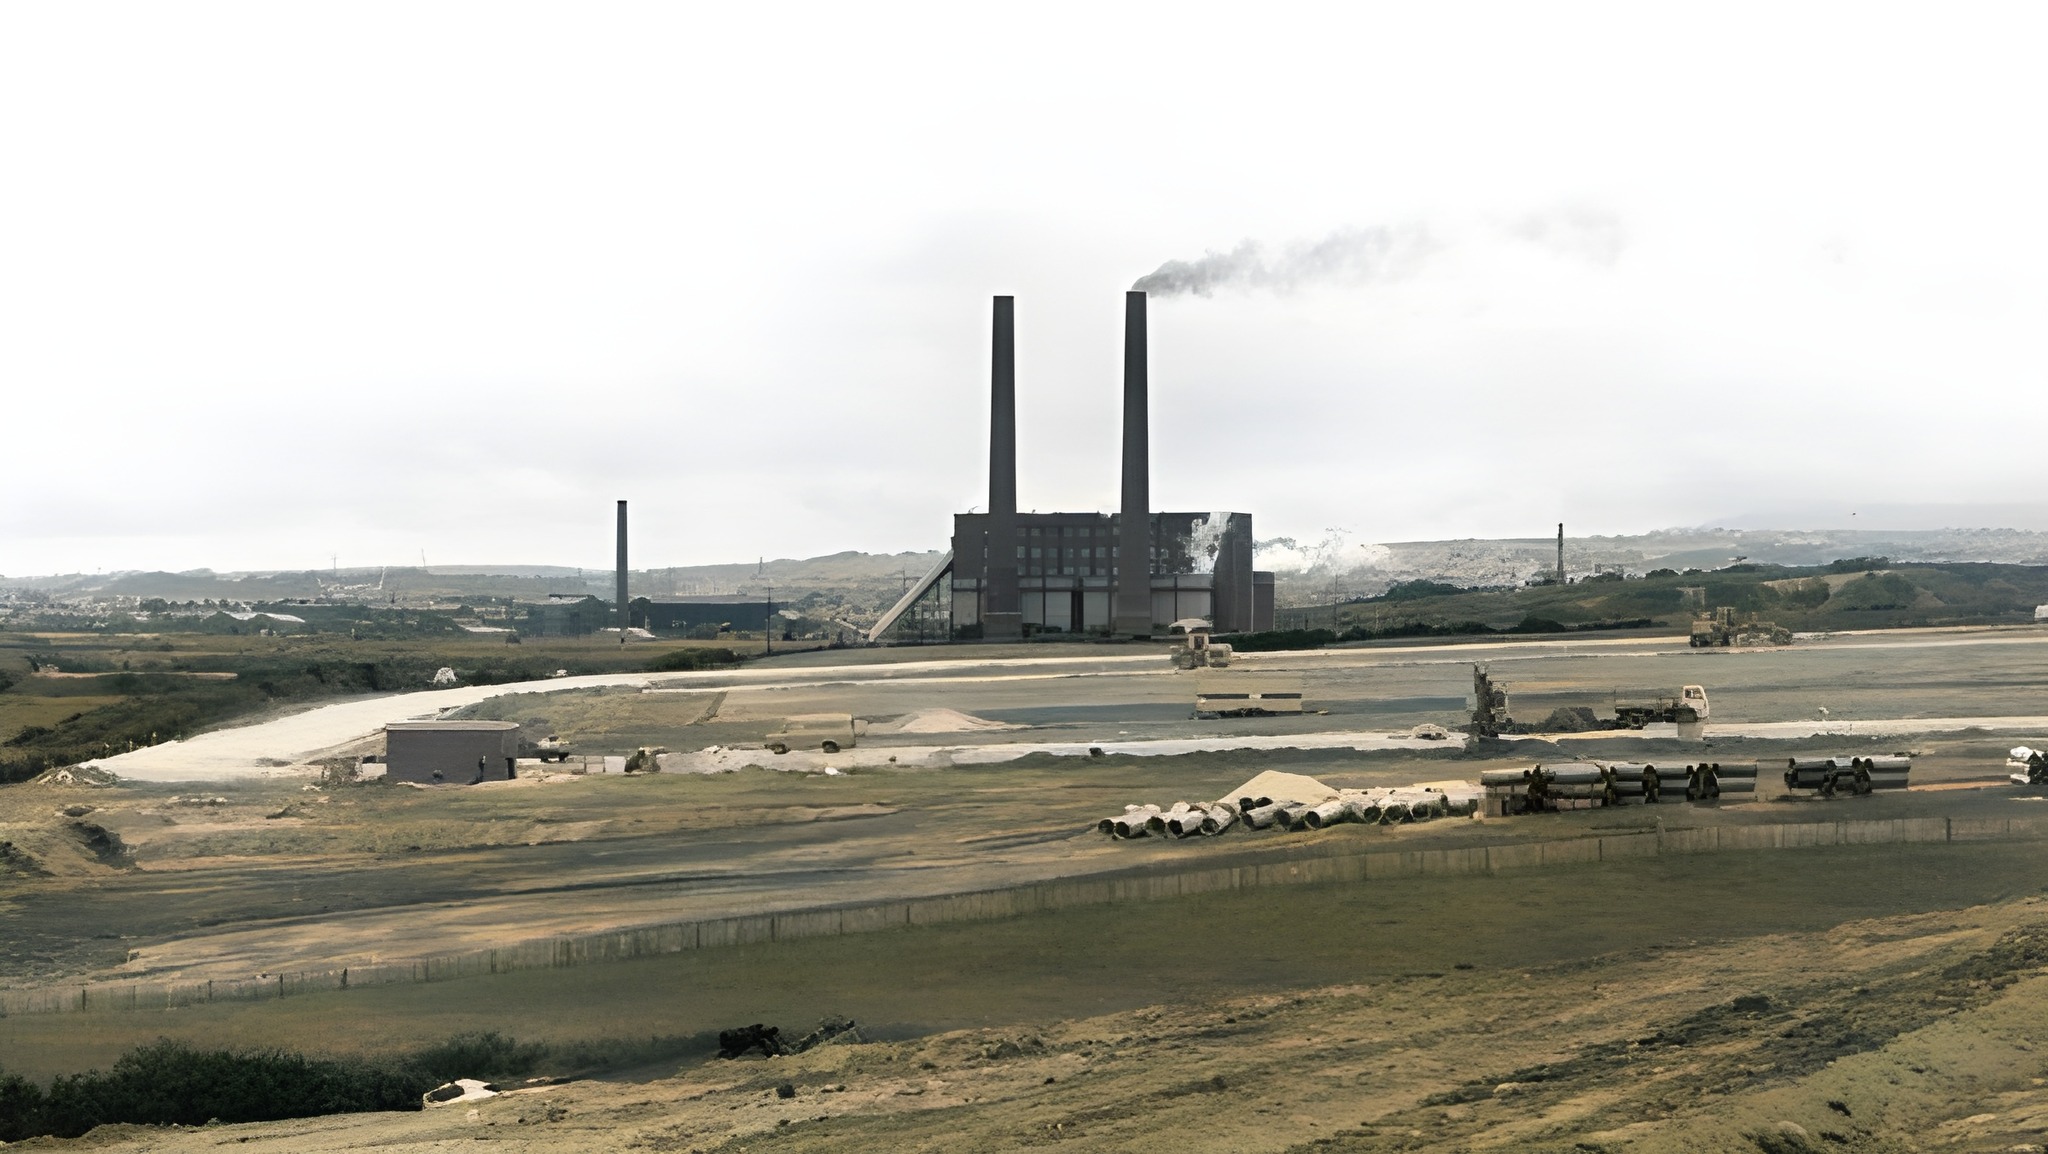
(671, 615)
(564, 615)
(418, 751)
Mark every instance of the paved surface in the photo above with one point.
(1853, 685)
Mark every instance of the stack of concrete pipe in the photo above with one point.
(1665, 782)
(1292, 802)
(1709, 780)
(1633, 781)
(1851, 775)
(1546, 788)
(1592, 784)
(1386, 806)
(1132, 822)
(1888, 772)
(1578, 784)
(1181, 819)
(1512, 791)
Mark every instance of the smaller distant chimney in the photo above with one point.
(625, 607)
(1560, 551)
(1002, 610)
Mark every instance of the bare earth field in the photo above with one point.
(1594, 1005)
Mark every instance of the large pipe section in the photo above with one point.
(1858, 775)
(1132, 615)
(625, 605)
(1002, 608)
(1132, 822)
(1174, 812)
(1631, 782)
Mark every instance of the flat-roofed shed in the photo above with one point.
(418, 750)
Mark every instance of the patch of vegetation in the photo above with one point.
(1274, 639)
(166, 1082)
(684, 660)
(1859, 593)
(1415, 590)
(1876, 591)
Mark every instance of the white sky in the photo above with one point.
(279, 282)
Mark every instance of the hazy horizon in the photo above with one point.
(1306, 544)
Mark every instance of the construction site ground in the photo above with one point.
(1349, 1004)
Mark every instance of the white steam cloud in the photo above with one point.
(1335, 554)
(1348, 256)
(1205, 541)
(1592, 234)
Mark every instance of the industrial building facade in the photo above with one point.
(564, 615)
(1067, 564)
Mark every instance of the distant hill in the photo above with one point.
(840, 583)
(860, 585)
(1338, 568)
(1870, 593)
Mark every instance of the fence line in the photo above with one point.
(1011, 901)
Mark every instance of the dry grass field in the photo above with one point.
(1667, 1005)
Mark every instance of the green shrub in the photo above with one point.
(171, 1083)
(1415, 590)
(684, 660)
(1281, 639)
(1875, 591)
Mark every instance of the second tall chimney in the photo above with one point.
(625, 606)
(1132, 616)
(1001, 607)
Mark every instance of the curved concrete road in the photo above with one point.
(264, 746)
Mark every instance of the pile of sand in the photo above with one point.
(942, 721)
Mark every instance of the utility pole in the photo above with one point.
(768, 623)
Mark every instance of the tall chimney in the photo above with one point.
(1001, 609)
(625, 606)
(1560, 552)
(1133, 614)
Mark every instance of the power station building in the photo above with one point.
(1065, 568)
(1011, 573)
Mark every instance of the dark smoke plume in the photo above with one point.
(1347, 256)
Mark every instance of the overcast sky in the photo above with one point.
(280, 282)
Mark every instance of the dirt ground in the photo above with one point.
(1350, 1005)
(1671, 1012)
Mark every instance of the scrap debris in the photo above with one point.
(739, 1041)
